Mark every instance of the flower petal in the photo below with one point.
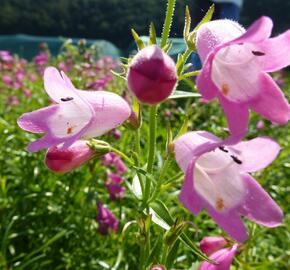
(36, 121)
(257, 153)
(204, 83)
(188, 195)
(259, 31)
(56, 87)
(223, 258)
(259, 206)
(110, 110)
(192, 144)
(231, 222)
(237, 118)
(276, 52)
(271, 103)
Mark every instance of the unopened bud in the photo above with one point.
(152, 75)
(211, 244)
(64, 160)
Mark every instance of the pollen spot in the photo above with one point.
(225, 89)
(69, 130)
(219, 204)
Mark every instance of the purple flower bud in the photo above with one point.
(7, 80)
(116, 191)
(211, 244)
(120, 166)
(106, 219)
(152, 75)
(64, 160)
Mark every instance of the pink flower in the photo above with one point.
(152, 75)
(41, 59)
(77, 114)
(157, 267)
(106, 219)
(235, 63)
(13, 101)
(7, 80)
(223, 258)
(113, 185)
(211, 244)
(62, 160)
(217, 178)
(114, 159)
(260, 124)
(5, 56)
(27, 92)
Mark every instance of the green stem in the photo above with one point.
(123, 155)
(186, 54)
(167, 22)
(138, 152)
(152, 149)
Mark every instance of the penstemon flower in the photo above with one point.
(235, 62)
(62, 160)
(211, 244)
(106, 219)
(152, 75)
(217, 178)
(77, 114)
(223, 259)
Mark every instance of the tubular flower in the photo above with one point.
(223, 258)
(235, 62)
(152, 75)
(77, 114)
(106, 219)
(211, 244)
(62, 160)
(217, 178)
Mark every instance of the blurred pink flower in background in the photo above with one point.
(106, 219)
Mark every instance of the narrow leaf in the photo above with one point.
(162, 211)
(183, 129)
(187, 23)
(140, 44)
(179, 64)
(182, 94)
(167, 47)
(171, 257)
(167, 22)
(207, 17)
(152, 34)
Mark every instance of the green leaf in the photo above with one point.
(187, 23)
(179, 64)
(186, 240)
(207, 17)
(171, 257)
(182, 94)
(152, 34)
(140, 44)
(155, 252)
(167, 22)
(167, 47)
(189, 74)
(162, 211)
(136, 187)
(183, 129)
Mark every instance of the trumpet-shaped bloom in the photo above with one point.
(77, 114)
(217, 179)
(235, 62)
(223, 258)
(106, 219)
(62, 160)
(211, 244)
